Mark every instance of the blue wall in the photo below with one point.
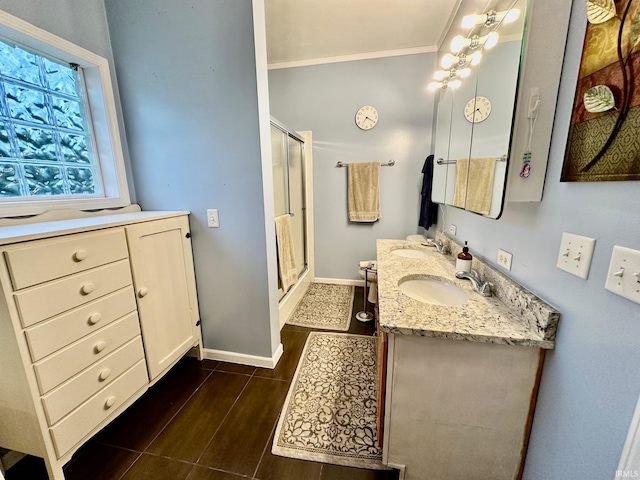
(188, 80)
(324, 99)
(591, 382)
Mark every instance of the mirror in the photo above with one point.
(476, 105)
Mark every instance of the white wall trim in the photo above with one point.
(354, 57)
(243, 358)
(340, 281)
(264, 125)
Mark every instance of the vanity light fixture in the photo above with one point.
(452, 74)
(444, 84)
(490, 18)
(449, 60)
(474, 42)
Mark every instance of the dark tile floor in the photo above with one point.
(205, 421)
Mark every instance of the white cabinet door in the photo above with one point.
(164, 281)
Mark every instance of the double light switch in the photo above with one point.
(575, 254)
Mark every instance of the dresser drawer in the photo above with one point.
(44, 301)
(69, 431)
(47, 337)
(44, 260)
(72, 393)
(64, 364)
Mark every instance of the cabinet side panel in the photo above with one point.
(19, 426)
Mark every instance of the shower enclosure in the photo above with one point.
(290, 185)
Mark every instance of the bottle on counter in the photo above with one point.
(463, 262)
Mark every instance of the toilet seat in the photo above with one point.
(372, 274)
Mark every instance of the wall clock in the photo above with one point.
(477, 109)
(367, 117)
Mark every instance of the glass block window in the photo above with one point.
(46, 140)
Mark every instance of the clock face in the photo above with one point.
(477, 109)
(367, 117)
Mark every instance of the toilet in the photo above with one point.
(372, 278)
(372, 274)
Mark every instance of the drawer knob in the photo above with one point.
(98, 347)
(143, 292)
(95, 318)
(104, 374)
(80, 255)
(87, 288)
(110, 401)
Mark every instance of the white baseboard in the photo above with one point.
(340, 281)
(243, 358)
(401, 469)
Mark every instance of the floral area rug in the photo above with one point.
(330, 413)
(325, 306)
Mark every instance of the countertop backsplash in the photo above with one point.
(540, 315)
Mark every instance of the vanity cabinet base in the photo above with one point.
(458, 409)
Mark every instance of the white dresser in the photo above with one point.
(93, 311)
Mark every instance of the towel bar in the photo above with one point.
(390, 163)
(442, 161)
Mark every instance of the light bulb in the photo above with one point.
(464, 73)
(511, 16)
(455, 84)
(441, 75)
(491, 41)
(469, 21)
(476, 58)
(433, 86)
(447, 61)
(458, 43)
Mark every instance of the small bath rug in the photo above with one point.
(325, 306)
(330, 413)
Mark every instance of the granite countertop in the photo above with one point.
(479, 319)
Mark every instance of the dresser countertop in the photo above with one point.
(479, 319)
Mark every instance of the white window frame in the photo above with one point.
(102, 112)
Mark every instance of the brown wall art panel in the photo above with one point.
(604, 137)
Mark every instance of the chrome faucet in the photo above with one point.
(483, 288)
(441, 247)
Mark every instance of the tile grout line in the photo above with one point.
(273, 429)
(223, 420)
(131, 466)
(179, 410)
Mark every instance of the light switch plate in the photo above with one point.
(575, 254)
(623, 277)
(212, 218)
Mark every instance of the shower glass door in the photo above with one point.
(287, 151)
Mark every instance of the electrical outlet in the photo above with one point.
(212, 218)
(575, 254)
(452, 229)
(623, 277)
(504, 259)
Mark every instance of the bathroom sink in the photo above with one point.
(410, 253)
(433, 290)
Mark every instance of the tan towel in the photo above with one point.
(287, 274)
(474, 184)
(460, 187)
(364, 191)
(480, 185)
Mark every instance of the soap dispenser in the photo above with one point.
(463, 262)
